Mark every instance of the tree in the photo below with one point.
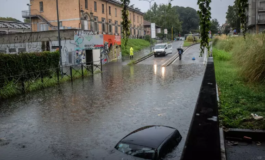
(164, 16)
(242, 5)
(9, 19)
(189, 18)
(26, 20)
(125, 21)
(232, 17)
(215, 26)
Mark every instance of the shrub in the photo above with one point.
(221, 55)
(17, 64)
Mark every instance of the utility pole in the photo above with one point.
(59, 37)
(172, 33)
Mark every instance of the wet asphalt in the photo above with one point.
(87, 118)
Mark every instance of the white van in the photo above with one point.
(162, 49)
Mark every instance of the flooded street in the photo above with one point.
(87, 118)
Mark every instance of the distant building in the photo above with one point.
(147, 28)
(7, 27)
(256, 16)
(224, 26)
(99, 16)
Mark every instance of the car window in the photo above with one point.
(159, 46)
(136, 150)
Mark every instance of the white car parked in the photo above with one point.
(162, 49)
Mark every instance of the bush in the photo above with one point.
(190, 38)
(17, 64)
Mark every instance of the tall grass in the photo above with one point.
(248, 54)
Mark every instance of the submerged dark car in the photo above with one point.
(150, 142)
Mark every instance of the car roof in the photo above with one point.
(149, 136)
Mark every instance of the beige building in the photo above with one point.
(100, 16)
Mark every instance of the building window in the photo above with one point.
(86, 4)
(61, 23)
(103, 8)
(103, 25)
(115, 12)
(109, 10)
(96, 23)
(110, 26)
(95, 6)
(116, 26)
(138, 19)
(133, 18)
(41, 6)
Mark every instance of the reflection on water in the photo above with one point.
(155, 69)
(163, 72)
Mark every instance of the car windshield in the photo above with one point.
(160, 46)
(136, 150)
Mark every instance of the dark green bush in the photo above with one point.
(12, 65)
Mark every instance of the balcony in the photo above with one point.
(25, 14)
(261, 21)
(261, 9)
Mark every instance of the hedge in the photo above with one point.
(12, 65)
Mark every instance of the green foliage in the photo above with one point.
(15, 65)
(165, 17)
(27, 20)
(232, 18)
(237, 99)
(137, 45)
(205, 17)
(242, 6)
(214, 26)
(9, 19)
(125, 21)
(189, 19)
(187, 44)
(247, 54)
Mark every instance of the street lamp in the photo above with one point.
(30, 17)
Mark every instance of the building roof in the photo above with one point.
(149, 136)
(147, 24)
(14, 25)
(131, 8)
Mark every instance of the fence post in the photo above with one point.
(71, 73)
(82, 69)
(41, 76)
(101, 63)
(92, 68)
(23, 84)
(58, 76)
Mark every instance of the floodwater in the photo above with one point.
(86, 119)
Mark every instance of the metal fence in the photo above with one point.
(28, 81)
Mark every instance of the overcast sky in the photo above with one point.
(13, 8)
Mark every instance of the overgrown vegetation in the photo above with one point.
(205, 23)
(240, 73)
(137, 45)
(125, 22)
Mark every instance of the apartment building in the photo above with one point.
(256, 16)
(99, 16)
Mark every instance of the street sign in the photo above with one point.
(153, 30)
(165, 31)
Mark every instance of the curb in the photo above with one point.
(142, 58)
(238, 134)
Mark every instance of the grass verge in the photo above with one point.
(238, 99)
(13, 88)
(137, 45)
